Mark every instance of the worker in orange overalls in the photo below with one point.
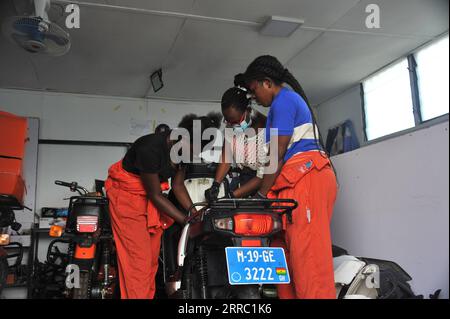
(304, 173)
(139, 210)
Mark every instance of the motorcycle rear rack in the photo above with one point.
(267, 204)
(251, 204)
(88, 200)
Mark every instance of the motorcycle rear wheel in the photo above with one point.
(3, 272)
(83, 292)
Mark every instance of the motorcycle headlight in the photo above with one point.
(4, 239)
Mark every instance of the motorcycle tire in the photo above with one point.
(3, 272)
(83, 292)
(239, 292)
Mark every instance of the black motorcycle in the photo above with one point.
(8, 220)
(224, 251)
(92, 263)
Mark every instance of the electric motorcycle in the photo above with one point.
(92, 268)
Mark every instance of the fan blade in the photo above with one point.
(57, 39)
(21, 39)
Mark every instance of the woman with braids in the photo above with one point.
(139, 211)
(304, 173)
(245, 145)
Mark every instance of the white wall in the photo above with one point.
(89, 118)
(96, 118)
(393, 204)
(343, 107)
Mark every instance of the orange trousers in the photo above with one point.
(137, 227)
(309, 179)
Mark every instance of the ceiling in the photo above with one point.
(116, 49)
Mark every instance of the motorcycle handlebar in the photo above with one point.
(74, 187)
(61, 183)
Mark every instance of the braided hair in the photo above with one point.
(267, 66)
(236, 97)
(162, 128)
(211, 120)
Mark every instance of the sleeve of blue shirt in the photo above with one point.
(283, 116)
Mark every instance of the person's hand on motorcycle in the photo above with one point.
(259, 195)
(212, 193)
(197, 215)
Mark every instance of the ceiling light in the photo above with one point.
(280, 26)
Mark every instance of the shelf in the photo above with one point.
(25, 240)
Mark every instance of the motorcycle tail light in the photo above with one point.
(4, 239)
(56, 231)
(87, 224)
(253, 224)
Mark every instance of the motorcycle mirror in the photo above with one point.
(16, 226)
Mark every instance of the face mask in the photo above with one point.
(244, 125)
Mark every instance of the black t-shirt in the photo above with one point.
(150, 154)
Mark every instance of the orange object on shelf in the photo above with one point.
(11, 181)
(13, 134)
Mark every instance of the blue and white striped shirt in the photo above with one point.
(290, 114)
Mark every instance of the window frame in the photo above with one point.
(363, 98)
(415, 96)
(413, 56)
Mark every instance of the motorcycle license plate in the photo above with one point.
(256, 265)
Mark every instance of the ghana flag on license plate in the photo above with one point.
(281, 271)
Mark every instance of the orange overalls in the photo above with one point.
(309, 179)
(137, 227)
